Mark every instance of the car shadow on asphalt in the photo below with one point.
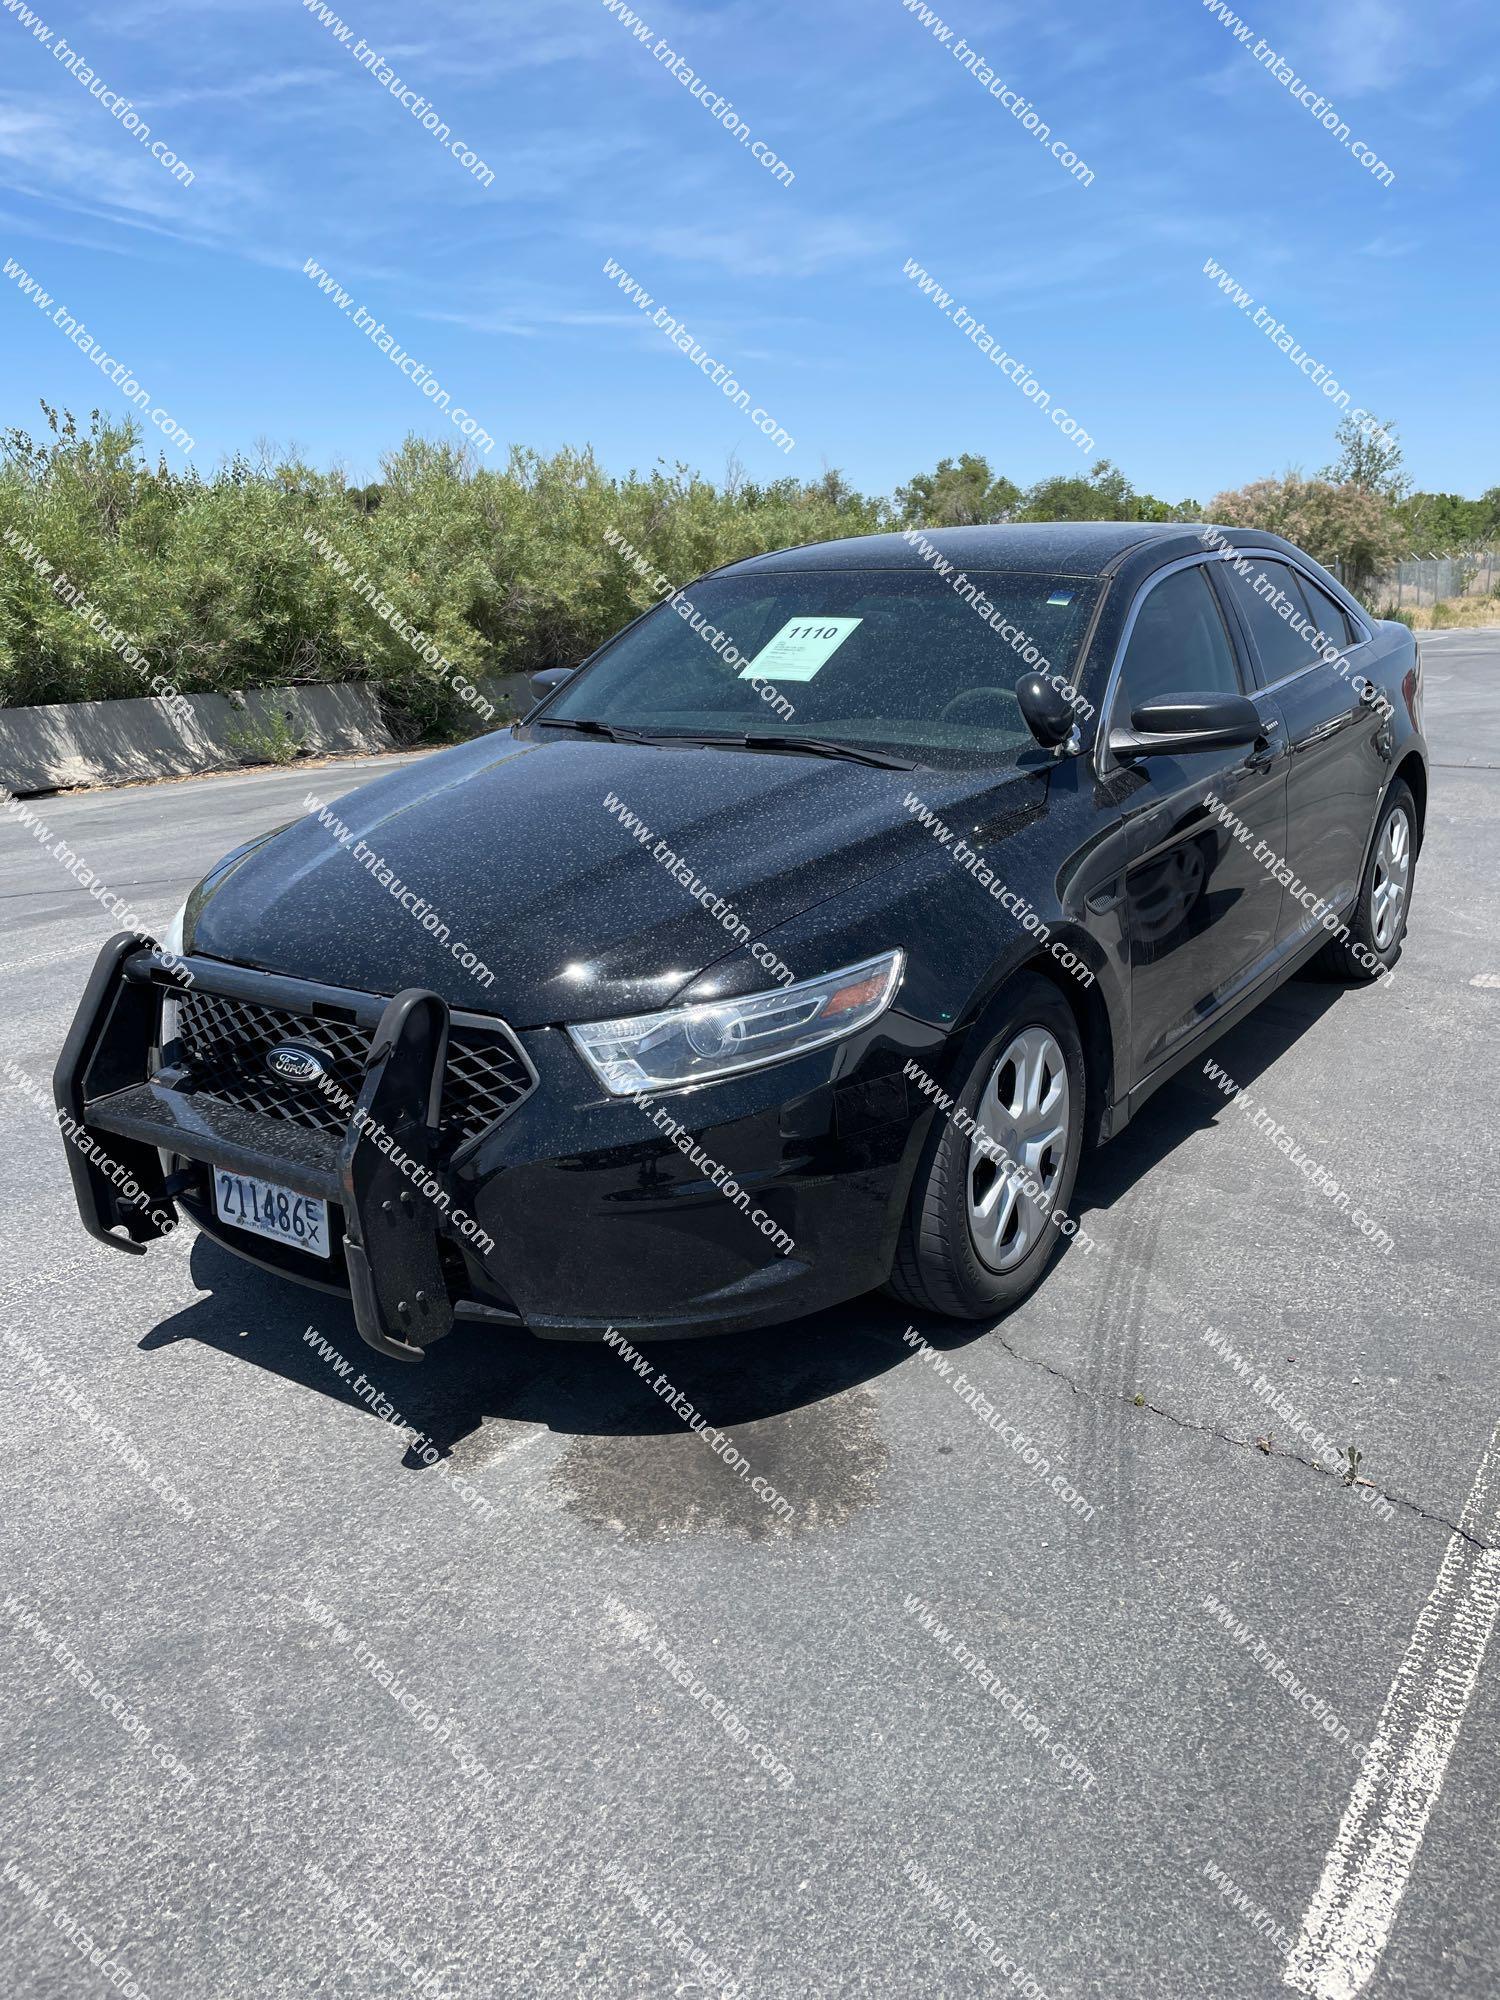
(802, 1386)
(1192, 1100)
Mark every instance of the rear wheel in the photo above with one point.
(1378, 923)
(981, 1224)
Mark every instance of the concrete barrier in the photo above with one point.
(112, 742)
(107, 742)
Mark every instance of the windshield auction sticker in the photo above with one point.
(799, 649)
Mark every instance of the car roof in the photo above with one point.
(1058, 548)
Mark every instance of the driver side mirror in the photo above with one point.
(1175, 724)
(1047, 714)
(548, 678)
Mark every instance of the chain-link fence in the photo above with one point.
(1427, 580)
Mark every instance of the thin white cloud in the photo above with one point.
(273, 84)
(780, 249)
(51, 160)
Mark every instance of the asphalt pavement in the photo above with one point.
(555, 1705)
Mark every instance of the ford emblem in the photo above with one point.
(294, 1065)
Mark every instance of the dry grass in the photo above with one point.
(1447, 614)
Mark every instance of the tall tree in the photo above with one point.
(1448, 524)
(1105, 494)
(1368, 458)
(1346, 526)
(962, 495)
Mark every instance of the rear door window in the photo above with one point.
(1271, 599)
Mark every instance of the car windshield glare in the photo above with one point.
(900, 661)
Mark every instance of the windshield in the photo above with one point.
(886, 660)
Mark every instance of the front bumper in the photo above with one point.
(595, 1212)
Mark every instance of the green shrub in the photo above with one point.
(272, 573)
(277, 740)
(220, 585)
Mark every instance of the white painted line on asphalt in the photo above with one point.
(1485, 979)
(58, 957)
(1368, 1866)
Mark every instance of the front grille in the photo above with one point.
(225, 1043)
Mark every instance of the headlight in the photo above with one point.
(170, 946)
(171, 938)
(695, 1044)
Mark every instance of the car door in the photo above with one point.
(1336, 768)
(1202, 910)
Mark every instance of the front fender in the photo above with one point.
(967, 924)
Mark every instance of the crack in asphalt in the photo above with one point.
(1246, 1444)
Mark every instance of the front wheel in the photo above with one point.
(998, 1168)
(1373, 941)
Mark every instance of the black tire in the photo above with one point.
(1359, 957)
(939, 1267)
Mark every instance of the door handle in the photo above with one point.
(1324, 730)
(1264, 752)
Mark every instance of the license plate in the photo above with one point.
(268, 1210)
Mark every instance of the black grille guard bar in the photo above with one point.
(103, 1088)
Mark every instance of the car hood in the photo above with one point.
(530, 858)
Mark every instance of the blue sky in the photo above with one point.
(898, 152)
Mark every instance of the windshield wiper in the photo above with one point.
(827, 746)
(589, 725)
(811, 746)
(754, 739)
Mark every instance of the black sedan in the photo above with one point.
(795, 944)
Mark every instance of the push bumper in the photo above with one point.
(120, 1119)
(597, 1214)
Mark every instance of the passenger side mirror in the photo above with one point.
(549, 678)
(1173, 724)
(1046, 712)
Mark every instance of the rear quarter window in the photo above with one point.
(1329, 615)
